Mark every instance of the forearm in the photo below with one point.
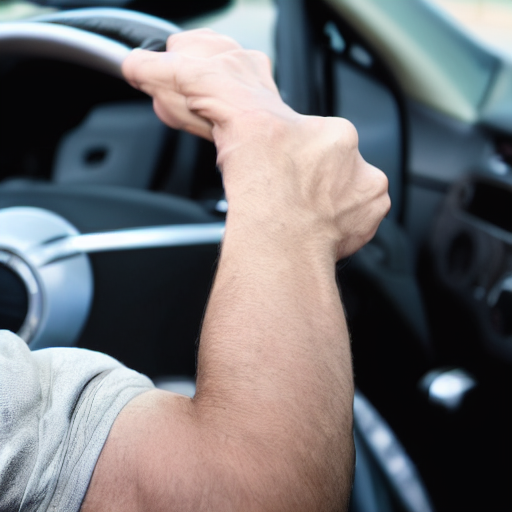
(270, 427)
(275, 364)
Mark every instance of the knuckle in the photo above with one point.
(377, 179)
(382, 181)
(343, 133)
(228, 41)
(174, 38)
(349, 131)
(187, 36)
(134, 67)
(128, 67)
(205, 35)
(196, 103)
(259, 56)
(386, 206)
(194, 33)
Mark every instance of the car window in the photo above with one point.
(490, 21)
(435, 60)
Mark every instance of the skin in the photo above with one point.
(270, 427)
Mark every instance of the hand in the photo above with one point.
(293, 174)
(188, 82)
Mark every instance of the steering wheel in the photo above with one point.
(72, 266)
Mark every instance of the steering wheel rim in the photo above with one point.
(99, 39)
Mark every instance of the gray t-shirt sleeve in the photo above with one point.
(57, 407)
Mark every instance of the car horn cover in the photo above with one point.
(58, 293)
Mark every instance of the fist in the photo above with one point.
(203, 80)
(292, 175)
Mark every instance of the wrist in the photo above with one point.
(273, 235)
(248, 137)
(263, 158)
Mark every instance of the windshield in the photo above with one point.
(436, 61)
(465, 62)
(490, 21)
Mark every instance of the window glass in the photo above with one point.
(461, 58)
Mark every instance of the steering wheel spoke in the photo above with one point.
(140, 238)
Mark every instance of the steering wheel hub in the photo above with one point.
(46, 303)
(21, 296)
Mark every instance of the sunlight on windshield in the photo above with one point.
(489, 20)
(11, 10)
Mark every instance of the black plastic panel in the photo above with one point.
(492, 204)
(116, 144)
(373, 110)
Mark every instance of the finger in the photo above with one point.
(201, 43)
(153, 73)
(142, 67)
(173, 111)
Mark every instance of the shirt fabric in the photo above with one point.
(57, 406)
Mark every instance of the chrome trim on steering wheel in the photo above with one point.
(33, 290)
(60, 295)
(140, 238)
(50, 257)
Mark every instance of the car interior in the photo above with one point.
(110, 221)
